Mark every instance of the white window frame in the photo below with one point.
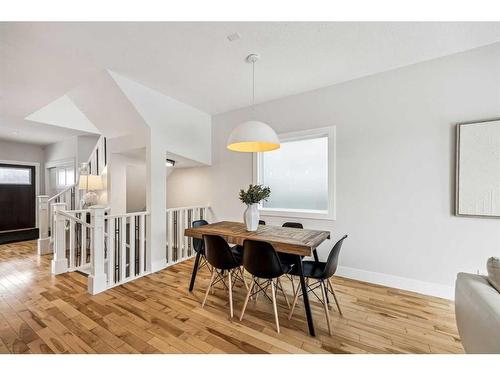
(65, 170)
(330, 133)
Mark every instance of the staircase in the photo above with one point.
(113, 249)
(110, 249)
(68, 199)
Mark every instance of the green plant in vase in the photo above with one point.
(252, 197)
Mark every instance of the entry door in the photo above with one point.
(17, 197)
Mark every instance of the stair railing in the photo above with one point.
(46, 206)
(97, 162)
(127, 253)
(111, 249)
(180, 247)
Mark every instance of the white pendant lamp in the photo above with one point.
(253, 136)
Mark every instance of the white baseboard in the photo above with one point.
(158, 265)
(413, 285)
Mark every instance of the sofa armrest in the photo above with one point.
(477, 311)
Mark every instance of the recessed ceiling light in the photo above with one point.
(233, 37)
(15, 133)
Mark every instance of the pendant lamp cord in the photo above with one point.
(253, 86)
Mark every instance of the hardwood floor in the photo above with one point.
(41, 313)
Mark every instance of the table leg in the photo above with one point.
(195, 270)
(307, 307)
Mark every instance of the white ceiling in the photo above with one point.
(63, 112)
(19, 130)
(196, 64)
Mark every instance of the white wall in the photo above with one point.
(77, 148)
(136, 187)
(395, 168)
(126, 173)
(18, 151)
(86, 144)
(65, 149)
(185, 130)
(187, 187)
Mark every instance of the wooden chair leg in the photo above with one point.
(325, 305)
(230, 287)
(242, 273)
(283, 291)
(335, 297)
(250, 290)
(209, 286)
(295, 299)
(275, 307)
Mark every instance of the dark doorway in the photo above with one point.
(17, 197)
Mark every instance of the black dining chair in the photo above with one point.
(224, 261)
(238, 248)
(291, 224)
(199, 248)
(321, 272)
(261, 260)
(199, 245)
(286, 258)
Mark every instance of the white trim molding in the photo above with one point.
(413, 285)
(329, 132)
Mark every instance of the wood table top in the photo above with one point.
(287, 240)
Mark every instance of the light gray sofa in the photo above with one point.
(477, 310)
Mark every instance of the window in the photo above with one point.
(15, 176)
(65, 176)
(300, 175)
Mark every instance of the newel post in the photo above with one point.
(97, 281)
(43, 225)
(59, 262)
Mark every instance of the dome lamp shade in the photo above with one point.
(253, 136)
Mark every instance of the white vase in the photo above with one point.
(251, 217)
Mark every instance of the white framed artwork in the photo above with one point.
(478, 169)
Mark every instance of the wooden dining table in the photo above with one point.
(295, 241)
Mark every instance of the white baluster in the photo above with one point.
(180, 235)
(123, 248)
(59, 263)
(97, 279)
(83, 243)
(111, 251)
(71, 244)
(91, 237)
(142, 223)
(170, 235)
(43, 225)
(131, 237)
